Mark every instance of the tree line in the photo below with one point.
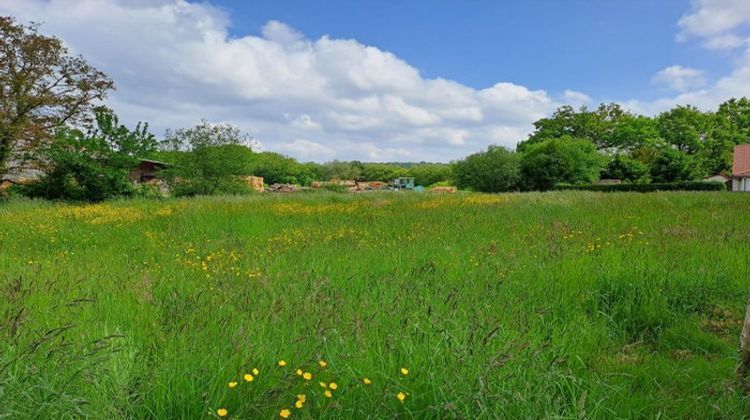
(582, 146)
(49, 116)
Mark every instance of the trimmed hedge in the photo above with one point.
(671, 186)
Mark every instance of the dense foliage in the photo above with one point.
(209, 158)
(494, 170)
(92, 166)
(560, 160)
(669, 186)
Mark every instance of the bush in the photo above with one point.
(494, 170)
(564, 159)
(668, 186)
(672, 165)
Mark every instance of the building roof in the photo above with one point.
(155, 162)
(741, 163)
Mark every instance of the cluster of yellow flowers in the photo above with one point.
(221, 262)
(570, 234)
(299, 402)
(631, 234)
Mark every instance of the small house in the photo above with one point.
(741, 168)
(147, 170)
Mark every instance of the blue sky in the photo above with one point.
(609, 49)
(407, 80)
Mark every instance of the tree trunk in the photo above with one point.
(743, 369)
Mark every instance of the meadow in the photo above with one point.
(383, 305)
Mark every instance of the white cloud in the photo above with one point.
(711, 18)
(307, 150)
(576, 98)
(724, 42)
(175, 62)
(680, 78)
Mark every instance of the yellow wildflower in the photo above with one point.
(307, 376)
(248, 377)
(323, 363)
(299, 372)
(299, 404)
(328, 394)
(302, 397)
(404, 371)
(232, 384)
(222, 412)
(333, 386)
(255, 371)
(367, 381)
(401, 396)
(323, 385)
(282, 363)
(285, 413)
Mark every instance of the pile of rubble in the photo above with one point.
(282, 188)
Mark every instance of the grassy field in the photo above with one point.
(570, 305)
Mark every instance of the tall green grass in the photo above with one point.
(554, 305)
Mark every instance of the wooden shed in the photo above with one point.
(147, 170)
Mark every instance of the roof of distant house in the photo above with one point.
(741, 163)
(155, 162)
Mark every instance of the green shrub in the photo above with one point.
(91, 166)
(564, 159)
(667, 186)
(494, 170)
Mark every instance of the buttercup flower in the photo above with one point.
(307, 376)
(232, 384)
(248, 377)
(333, 385)
(222, 412)
(285, 413)
(323, 363)
(299, 372)
(282, 363)
(401, 396)
(328, 394)
(404, 371)
(255, 371)
(367, 381)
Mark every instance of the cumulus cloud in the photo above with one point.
(175, 62)
(711, 18)
(576, 98)
(680, 78)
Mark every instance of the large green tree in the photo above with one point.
(41, 87)
(598, 126)
(731, 126)
(685, 127)
(560, 160)
(209, 158)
